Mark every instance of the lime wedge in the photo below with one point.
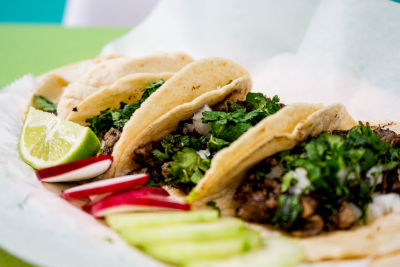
(47, 141)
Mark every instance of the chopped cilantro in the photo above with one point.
(288, 210)
(327, 155)
(227, 127)
(118, 117)
(216, 144)
(44, 103)
(186, 167)
(168, 142)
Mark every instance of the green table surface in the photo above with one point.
(37, 49)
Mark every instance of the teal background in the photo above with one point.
(43, 11)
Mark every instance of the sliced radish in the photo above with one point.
(76, 170)
(113, 185)
(126, 203)
(137, 192)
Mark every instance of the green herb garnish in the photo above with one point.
(118, 117)
(187, 167)
(337, 167)
(227, 127)
(44, 103)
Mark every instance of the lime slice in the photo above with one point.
(47, 141)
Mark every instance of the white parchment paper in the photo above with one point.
(39, 226)
(303, 50)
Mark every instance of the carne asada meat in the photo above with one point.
(389, 136)
(173, 160)
(260, 199)
(108, 142)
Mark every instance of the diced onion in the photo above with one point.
(383, 204)
(300, 174)
(342, 174)
(275, 172)
(201, 127)
(203, 154)
(380, 169)
(356, 210)
(188, 128)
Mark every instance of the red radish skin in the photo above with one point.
(125, 203)
(138, 192)
(76, 171)
(113, 185)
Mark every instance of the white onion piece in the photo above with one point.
(381, 169)
(383, 204)
(201, 127)
(356, 210)
(203, 154)
(300, 174)
(188, 128)
(342, 174)
(275, 172)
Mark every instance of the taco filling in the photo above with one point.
(323, 184)
(181, 158)
(109, 124)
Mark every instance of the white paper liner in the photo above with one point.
(312, 51)
(39, 226)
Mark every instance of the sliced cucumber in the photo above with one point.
(145, 220)
(275, 252)
(221, 229)
(185, 252)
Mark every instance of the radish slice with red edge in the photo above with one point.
(76, 170)
(113, 185)
(126, 203)
(137, 192)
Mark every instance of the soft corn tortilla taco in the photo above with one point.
(50, 88)
(194, 80)
(166, 124)
(276, 133)
(128, 89)
(178, 157)
(252, 190)
(107, 72)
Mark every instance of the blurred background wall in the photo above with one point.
(77, 13)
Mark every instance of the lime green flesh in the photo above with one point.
(190, 251)
(145, 220)
(275, 252)
(48, 141)
(221, 229)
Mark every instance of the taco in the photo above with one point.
(330, 188)
(110, 119)
(177, 148)
(126, 90)
(107, 72)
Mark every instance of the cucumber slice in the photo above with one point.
(185, 252)
(146, 220)
(275, 252)
(221, 229)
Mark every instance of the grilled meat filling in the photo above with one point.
(108, 141)
(257, 198)
(158, 164)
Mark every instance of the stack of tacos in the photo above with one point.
(305, 170)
